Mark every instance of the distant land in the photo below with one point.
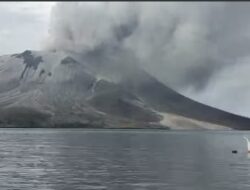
(59, 89)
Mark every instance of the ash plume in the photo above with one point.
(183, 44)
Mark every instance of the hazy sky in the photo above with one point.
(23, 25)
(199, 49)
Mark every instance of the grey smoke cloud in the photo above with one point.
(85, 26)
(184, 44)
(229, 89)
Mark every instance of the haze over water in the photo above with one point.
(63, 159)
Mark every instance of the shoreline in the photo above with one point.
(136, 129)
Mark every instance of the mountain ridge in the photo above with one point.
(59, 89)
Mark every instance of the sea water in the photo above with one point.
(71, 159)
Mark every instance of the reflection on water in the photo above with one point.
(46, 159)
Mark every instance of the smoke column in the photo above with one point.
(188, 46)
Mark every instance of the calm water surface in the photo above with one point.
(70, 159)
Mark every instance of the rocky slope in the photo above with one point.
(58, 89)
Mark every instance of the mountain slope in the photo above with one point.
(58, 89)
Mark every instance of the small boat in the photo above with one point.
(248, 144)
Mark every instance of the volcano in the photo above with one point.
(59, 89)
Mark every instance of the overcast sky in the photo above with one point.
(23, 25)
(200, 49)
